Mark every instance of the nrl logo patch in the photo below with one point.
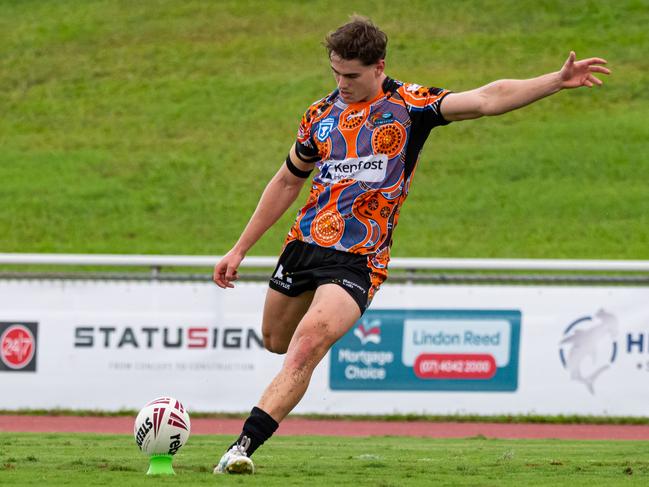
(324, 129)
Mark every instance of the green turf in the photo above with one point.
(82, 459)
(152, 127)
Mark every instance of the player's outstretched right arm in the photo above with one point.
(279, 195)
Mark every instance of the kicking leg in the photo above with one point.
(281, 316)
(331, 314)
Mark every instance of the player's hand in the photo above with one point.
(580, 73)
(225, 272)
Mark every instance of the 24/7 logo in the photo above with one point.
(18, 344)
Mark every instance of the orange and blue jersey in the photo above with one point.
(366, 155)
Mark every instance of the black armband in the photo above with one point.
(295, 170)
(306, 153)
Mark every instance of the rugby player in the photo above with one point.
(364, 138)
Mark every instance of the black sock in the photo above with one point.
(258, 427)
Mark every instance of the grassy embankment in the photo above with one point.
(152, 128)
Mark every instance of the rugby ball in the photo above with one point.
(162, 427)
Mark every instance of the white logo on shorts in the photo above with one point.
(352, 285)
(280, 280)
(279, 274)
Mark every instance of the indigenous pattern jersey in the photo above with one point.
(367, 153)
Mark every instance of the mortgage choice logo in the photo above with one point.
(450, 350)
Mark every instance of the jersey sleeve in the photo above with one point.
(305, 145)
(425, 103)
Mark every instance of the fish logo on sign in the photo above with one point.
(369, 332)
(588, 338)
(324, 129)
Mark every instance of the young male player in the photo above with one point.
(364, 138)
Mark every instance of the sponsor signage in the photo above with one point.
(113, 345)
(437, 350)
(166, 337)
(18, 346)
(420, 349)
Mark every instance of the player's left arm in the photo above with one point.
(506, 95)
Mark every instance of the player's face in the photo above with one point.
(356, 81)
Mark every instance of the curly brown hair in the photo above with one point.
(358, 39)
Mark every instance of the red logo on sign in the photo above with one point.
(17, 347)
(455, 366)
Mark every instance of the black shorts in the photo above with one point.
(303, 267)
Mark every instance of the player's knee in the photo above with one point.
(306, 352)
(274, 344)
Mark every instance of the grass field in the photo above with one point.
(82, 459)
(153, 127)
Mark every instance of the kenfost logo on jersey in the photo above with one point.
(18, 346)
(370, 169)
(588, 347)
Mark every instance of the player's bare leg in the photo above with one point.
(281, 316)
(331, 314)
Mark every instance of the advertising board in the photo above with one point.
(419, 349)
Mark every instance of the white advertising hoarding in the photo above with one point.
(430, 349)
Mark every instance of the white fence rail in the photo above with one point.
(160, 261)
